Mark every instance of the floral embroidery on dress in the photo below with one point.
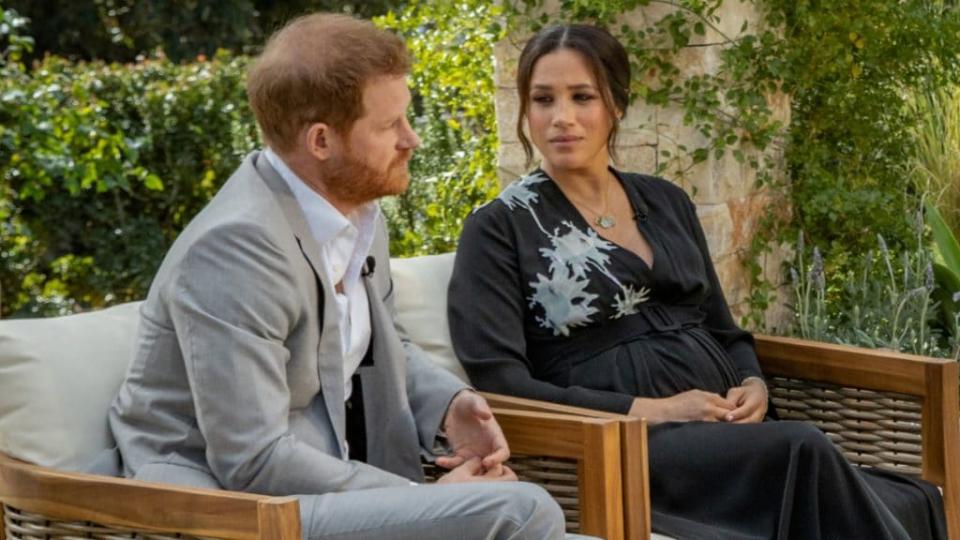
(519, 192)
(577, 249)
(574, 254)
(564, 299)
(629, 303)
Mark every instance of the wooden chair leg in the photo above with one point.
(278, 520)
(601, 495)
(636, 481)
(941, 436)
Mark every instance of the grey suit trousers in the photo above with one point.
(472, 511)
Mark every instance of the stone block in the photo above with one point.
(734, 279)
(507, 107)
(718, 228)
(639, 159)
(512, 162)
(506, 53)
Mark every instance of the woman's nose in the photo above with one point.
(563, 113)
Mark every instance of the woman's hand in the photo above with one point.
(750, 399)
(684, 407)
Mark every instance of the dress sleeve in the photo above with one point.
(719, 322)
(486, 311)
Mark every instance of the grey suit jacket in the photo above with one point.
(238, 371)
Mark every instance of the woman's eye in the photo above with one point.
(542, 99)
(583, 97)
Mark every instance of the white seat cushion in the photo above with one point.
(420, 298)
(57, 379)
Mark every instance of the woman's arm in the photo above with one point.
(719, 322)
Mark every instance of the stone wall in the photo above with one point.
(728, 202)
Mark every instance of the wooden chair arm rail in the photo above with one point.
(524, 404)
(149, 506)
(549, 434)
(846, 365)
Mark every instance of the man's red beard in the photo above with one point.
(352, 180)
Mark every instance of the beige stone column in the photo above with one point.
(729, 203)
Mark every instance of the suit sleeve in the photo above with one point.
(430, 388)
(233, 303)
(719, 322)
(487, 309)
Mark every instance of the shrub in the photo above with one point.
(455, 169)
(102, 165)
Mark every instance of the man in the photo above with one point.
(267, 359)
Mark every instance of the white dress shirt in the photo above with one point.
(344, 244)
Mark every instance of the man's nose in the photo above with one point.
(409, 140)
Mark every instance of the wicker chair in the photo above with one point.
(883, 409)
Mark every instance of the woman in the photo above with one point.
(592, 287)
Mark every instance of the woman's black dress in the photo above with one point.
(544, 308)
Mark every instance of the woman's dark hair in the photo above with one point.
(604, 54)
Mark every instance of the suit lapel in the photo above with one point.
(330, 352)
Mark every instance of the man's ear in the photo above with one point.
(321, 141)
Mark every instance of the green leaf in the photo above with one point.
(943, 238)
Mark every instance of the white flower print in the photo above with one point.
(629, 302)
(519, 194)
(564, 299)
(578, 250)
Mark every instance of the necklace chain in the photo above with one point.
(604, 220)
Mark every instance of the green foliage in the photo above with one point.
(937, 140)
(102, 165)
(455, 169)
(946, 268)
(121, 30)
(849, 67)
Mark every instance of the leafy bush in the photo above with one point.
(849, 67)
(455, 168)
(121, 30)
(101, 167)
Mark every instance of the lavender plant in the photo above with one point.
(886, 301)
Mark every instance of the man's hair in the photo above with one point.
(314, 69)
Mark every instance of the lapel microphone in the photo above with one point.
(368, 266)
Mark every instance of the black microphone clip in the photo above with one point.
(368, 266)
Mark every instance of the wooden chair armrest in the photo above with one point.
(145, 505)
(935, 380)
(593, 442)
(523, 404)
(854, 366)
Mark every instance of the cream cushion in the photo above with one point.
(420, 299)
(57, 379)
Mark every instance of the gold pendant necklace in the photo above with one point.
(603, 220)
